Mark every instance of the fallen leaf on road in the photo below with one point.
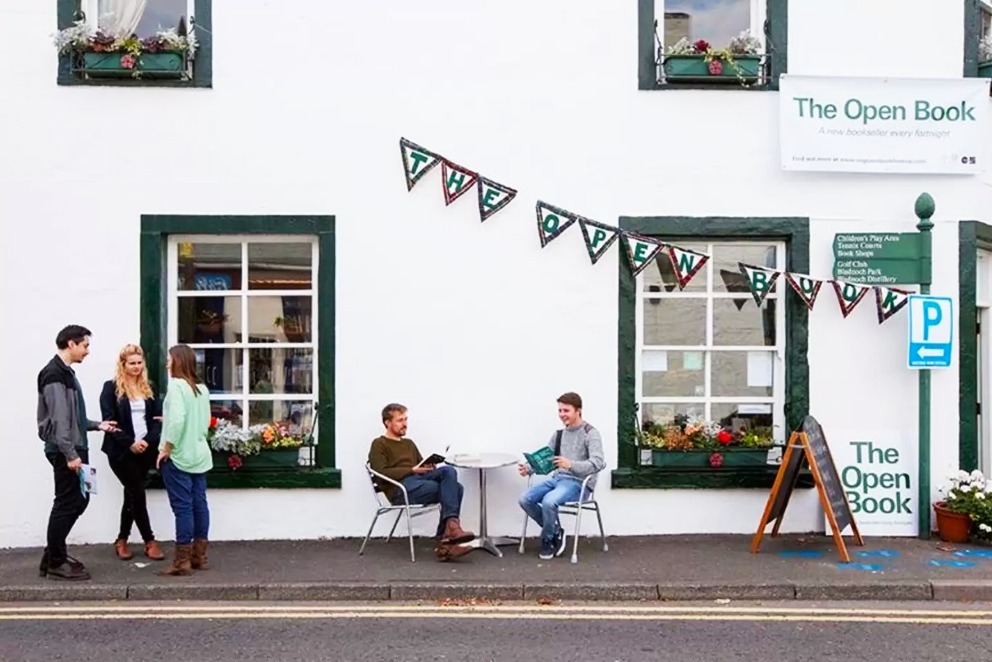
(947, 548)
(545, 601)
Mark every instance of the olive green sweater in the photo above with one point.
(394, 458)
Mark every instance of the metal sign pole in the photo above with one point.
(925, 208)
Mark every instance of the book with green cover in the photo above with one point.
(540, 461)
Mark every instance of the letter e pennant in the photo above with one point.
(807, 288)
(890, 301)
(760, 281)
(417, 161)
(456, 180)
(599, 237)
(492, 197)
(641, 251)
(686, 263)
(849, 295)
(552, 221)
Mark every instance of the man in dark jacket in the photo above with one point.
(62, 425)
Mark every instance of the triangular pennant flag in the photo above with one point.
(641, 251)
(455, 180)
(552, 221)
(889, 301)
(849, 295)
(686, 263)
(599, 237)
(493, 197)
(807, 288)
(417, 161)
(759, 280)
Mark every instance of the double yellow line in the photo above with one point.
(500, 612)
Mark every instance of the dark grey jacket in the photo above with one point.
(62, 422)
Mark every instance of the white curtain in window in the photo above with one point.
(120, 18)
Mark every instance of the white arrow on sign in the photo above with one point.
(925, 352)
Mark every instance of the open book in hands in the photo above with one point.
(541, 461)
(434, 459)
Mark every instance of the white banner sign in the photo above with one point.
(878, 471)
(897, 125)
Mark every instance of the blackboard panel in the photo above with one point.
(789, 475)
(829, 478)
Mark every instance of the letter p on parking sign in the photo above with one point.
(931, 331)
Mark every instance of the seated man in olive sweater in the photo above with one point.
(397, 457)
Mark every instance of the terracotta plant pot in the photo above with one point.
(951, 526)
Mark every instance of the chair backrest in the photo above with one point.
(377, 494)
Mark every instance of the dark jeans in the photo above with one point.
(438, 486)
(132, 470)
(188, 498)
(69, 504)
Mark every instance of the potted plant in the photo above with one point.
(699, 62)
(694, 443)
(95, 54)
(232, 441)
(967, 500)
(985, 57)
(210, 323)
(278, 442)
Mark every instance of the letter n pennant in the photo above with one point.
(807, 288)
(493, 197)
(552, 221)
(761, 281)
(849, 295)
(417, 161)
(890, 301)
(456, 180)
(599, 237)
(641, 251)
(686, 263)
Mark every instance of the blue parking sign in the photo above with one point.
(931, 331)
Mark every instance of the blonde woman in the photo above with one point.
(184, 460)
(132, 448)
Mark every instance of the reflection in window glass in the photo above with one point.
(208, 267)
(716, 21)
(280, 266)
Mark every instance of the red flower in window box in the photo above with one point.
(715, 67)
(234, 461)
(213, 422)
(701, 46)
(724, 438)
(716, 460)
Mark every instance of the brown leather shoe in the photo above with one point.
(120, 547)
(153, 551)
(199, 558)
(450, 552)
(180, 563)
(454, 533)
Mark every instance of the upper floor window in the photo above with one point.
(985, 39)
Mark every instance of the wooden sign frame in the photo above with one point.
(799, 442)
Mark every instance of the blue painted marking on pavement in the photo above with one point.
(974, 552)
(805, 553)
(873, 567)
(883, 553)
(951, 564)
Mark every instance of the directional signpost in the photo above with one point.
(931, 328)
(930, 341)
(877, 258)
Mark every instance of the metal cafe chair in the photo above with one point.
(586, 501)
(383, 506)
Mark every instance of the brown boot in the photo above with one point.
(454, 534)
(153, 551)
(120, 548)
(199, 558)
(180, 563)
(447, 552)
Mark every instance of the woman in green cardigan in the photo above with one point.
(184, 459)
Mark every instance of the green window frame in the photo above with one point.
(69, 10)
(794, 232)
(155, 233)
(976, 14)
(776, 33)
(972, 235)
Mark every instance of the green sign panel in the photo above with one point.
(891, 258)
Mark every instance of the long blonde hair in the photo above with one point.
(138, 389)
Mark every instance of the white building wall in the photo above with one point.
(473, 326)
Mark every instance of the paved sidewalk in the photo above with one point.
(694, 567)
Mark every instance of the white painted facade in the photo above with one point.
(473, 326)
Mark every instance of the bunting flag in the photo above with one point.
(456, 180)
(686, 263)
(759, 280)
(417, 161)
(889, 301)
(492, 197)
(849, 295)
(807, 288)
(552, 221)
(641, 251)
(599, 237)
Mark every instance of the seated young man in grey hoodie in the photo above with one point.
(578, 450)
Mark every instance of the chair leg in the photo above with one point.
(523, 534)
(602, 533)
(399, 514)
(409, 530)
(368, 535)
(578, 528)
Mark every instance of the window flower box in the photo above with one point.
(265, 446)
(167, 54)
(125, 65)
(695, 69)
(731, 457)
(694, 443)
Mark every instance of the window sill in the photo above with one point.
(707, 478)
(302, 478)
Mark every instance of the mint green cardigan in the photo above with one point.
(186, 419)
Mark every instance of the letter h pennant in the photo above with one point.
(456, 180)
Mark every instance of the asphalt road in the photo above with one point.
(683, 632)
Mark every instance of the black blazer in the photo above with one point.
(117, 444)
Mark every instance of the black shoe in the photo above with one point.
(74, 563)
(68, 572)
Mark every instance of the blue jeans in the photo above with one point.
(541, 502)
(188, 498)
(438, 486)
